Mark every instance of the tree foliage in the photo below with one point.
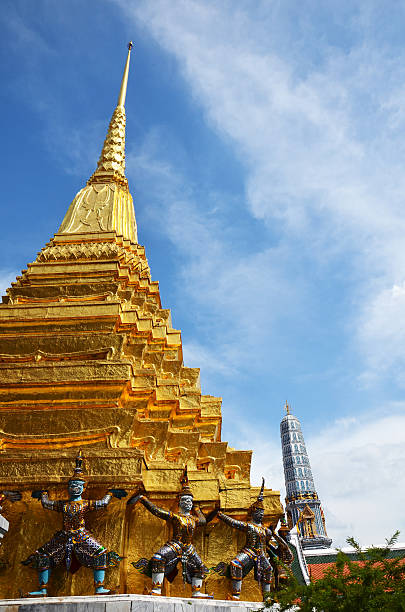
(375, 581)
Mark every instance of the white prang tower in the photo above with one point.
(303, 507)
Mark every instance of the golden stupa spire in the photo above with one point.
(111, 165)
(286, 407)
(124, 82)
(105, 204)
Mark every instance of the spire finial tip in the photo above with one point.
(124, 83)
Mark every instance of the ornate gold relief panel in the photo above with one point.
(101, 207)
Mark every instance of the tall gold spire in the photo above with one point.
(286, 407)
(105, 204)
(124, 82)
(111, 165)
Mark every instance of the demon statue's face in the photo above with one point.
(76, 488)
(257, 515)
(186, 503)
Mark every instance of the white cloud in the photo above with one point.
(321, 141)
(24, 36)
(382, 334)
(77, 149)
(243, 294)
(198, 356)
(357, 468)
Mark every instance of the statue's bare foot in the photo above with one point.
(199, 595)
(39, 593)
(100, 590)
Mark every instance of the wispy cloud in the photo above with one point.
(76, 149)
(357, 472)
(381, 333)
(24, 35)
(73, 144)
(197, 355)
(320, 137)
(229, 291)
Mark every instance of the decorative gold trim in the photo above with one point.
(56, 441)
(103, 353)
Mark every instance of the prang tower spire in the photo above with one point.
(303, 507)
(89, 359)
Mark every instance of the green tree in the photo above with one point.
(375, 581)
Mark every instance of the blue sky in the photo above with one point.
(266, 156)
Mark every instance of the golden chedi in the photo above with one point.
(89, 359)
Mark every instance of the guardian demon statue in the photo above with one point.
(73, 544)
(180, 547)
(254, 553)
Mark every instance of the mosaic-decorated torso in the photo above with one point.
(183, 527)
(73, 513)
(256, 537)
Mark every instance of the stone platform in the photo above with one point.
(126, 603)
